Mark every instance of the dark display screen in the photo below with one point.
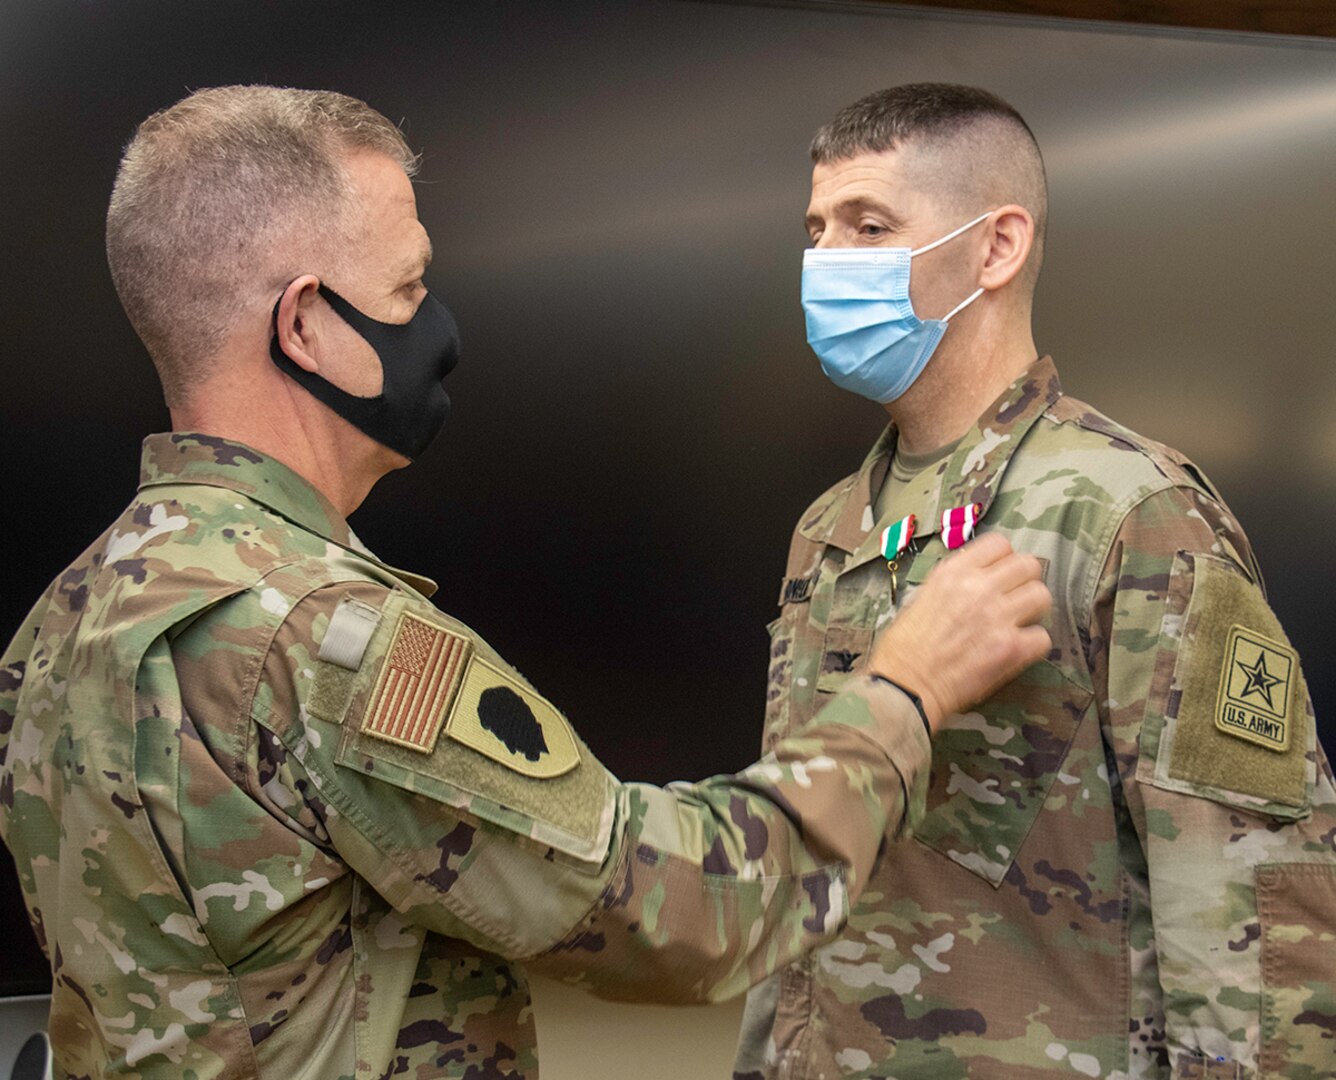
(616, 194)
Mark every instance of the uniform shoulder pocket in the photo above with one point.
(1228, 718)
(434, 711)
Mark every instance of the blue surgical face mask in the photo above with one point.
(860, 322)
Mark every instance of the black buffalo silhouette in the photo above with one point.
(508, 716)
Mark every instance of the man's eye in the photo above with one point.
(870, 229)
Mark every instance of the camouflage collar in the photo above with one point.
(187, 458)
(972, 474)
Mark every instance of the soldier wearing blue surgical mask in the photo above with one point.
(861, 321)
(1127, 866)
(893, 263)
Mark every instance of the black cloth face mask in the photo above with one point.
(415, 356)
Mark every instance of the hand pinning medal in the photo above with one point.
(958, 526)
(894, 540)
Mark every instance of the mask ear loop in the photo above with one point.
(963, 304)
(938, 243)
(950, 235)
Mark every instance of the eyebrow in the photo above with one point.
(857, 205)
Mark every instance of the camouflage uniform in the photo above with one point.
(274, 814)
(1128, 864)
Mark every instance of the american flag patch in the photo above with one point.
(417, 683)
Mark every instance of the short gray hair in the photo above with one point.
(976, 148)
(217, 202)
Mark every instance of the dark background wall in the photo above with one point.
(615, 192)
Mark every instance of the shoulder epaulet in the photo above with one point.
(1176, 467)
(1178, 470)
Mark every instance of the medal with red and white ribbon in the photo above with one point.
(895, 540)
(958, 525)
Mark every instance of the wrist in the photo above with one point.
(916, 678)
(927, 708)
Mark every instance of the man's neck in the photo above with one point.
(342, 465)
(956, 387)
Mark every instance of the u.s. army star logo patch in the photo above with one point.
(1255, 684)
(507, 722)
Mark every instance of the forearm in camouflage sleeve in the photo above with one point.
(1228, 837)
(689, 892)
(721, 883)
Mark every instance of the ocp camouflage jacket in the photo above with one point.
(1128, 864)
(276, 815)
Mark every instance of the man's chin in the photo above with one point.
(391, 460)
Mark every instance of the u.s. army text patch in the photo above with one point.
(1255, 683)
(417, 684)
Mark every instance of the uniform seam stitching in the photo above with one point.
(1116, 519)
(259, 715)
(256, 666)
(458, 908)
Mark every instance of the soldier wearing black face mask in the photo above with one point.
(274, 813)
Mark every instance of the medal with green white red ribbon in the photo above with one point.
(895, 540)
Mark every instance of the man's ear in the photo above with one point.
(294, 325)
(1010, 236)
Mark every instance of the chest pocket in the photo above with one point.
(843, 648)
(993, 768)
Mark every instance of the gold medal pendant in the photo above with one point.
(893, 566)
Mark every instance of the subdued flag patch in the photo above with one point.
(417, 684)
(507, 722)
(1255, 682)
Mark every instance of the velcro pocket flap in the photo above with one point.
(1232, 724)
(472, 734)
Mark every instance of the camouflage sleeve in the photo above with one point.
(1227, 816)
(12, 670)
(466, 800)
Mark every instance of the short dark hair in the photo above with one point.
(972, 149)
(915, 111)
